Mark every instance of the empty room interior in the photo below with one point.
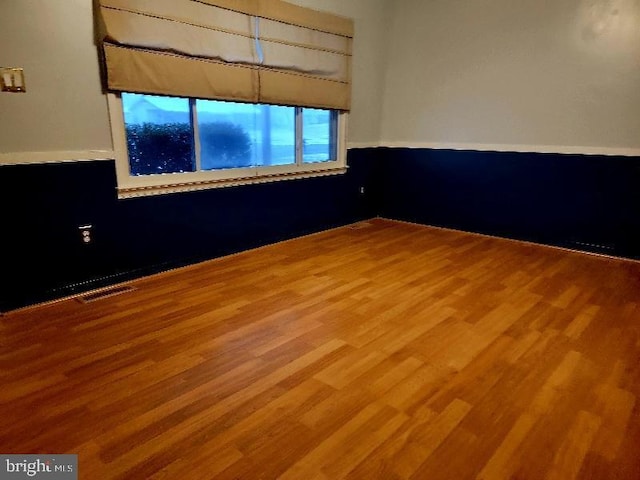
(364, 239)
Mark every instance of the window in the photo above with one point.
(159, 139)
(235, 135)
(167, 144)
(319, 135)
(227, 92)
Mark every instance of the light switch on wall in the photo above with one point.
(12, 80)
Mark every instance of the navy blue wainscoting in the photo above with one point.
(589, 203)
(43, 256)
(584, 202)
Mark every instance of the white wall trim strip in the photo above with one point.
(486, 147)
(352, 145)
(20, 158)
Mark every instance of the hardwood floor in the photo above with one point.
(389, 352)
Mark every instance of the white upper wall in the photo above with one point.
(483, 72)
(65, 108)
(369, 60)
(503, 72)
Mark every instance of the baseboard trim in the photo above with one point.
(120, 280)
(602, 256)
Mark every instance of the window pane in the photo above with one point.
(319, 135)
(237, 135)
(279, 135)
(159, 134)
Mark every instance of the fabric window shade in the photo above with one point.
(266, 51)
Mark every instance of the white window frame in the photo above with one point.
(158, 184)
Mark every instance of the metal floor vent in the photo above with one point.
(93, 297)
(359, 225)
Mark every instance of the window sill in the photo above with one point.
(149, 190)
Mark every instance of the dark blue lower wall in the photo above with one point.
(589, 203)
(584, 202)
(43, 256)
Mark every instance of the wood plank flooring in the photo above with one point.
(389, 352)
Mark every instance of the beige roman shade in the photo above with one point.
(266, 51)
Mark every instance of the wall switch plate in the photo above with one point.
(12, 80)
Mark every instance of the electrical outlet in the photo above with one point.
(85, 232)
(362, 190)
